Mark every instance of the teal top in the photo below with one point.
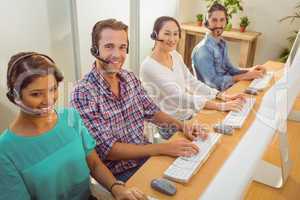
(48, 166)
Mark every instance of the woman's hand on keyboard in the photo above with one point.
(193, 131)
(235, 105)
(230, 97)
(180, 147)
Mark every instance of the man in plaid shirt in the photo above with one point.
(114, 106)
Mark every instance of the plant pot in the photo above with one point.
(242, 29)
(199, 23)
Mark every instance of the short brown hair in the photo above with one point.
(24, 67)
(103, 24)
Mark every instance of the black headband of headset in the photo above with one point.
(12, 66)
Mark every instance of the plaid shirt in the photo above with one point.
(113, 119)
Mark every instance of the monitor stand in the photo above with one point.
(270, 174)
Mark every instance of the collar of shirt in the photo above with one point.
(99, 80)
(211, 40)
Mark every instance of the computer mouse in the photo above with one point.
(251, 91)
(223, 129)
(164, 186)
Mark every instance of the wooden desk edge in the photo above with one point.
(248, 35)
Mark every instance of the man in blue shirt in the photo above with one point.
(210, 56)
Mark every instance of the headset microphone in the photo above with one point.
(95, 52)
(159, 40)
(102, 60)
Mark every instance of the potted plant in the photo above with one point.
(244, 22)
(295, 16)
(199, 19)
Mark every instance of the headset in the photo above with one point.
(154, 36)
(94, 48)
(13, 93)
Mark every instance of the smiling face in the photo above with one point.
(169, 34)
(113, 48)
(41, 93)
(217, 22)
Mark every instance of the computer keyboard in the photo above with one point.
(261, 83)
(236, 119)
(183, 168)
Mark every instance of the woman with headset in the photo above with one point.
(168, 80)
(48, 153)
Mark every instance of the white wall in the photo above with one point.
(61, 44)
(42, 26)
(264, 17)
(149, 11)
(24, 28)
(90, 13)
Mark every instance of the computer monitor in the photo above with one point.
(293, 51)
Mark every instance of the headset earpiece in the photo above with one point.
(127, 51)
(13, 95)
(153, 35)
(94, 51)
(206, 23)
(10, 96)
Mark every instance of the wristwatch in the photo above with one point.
(117, 182)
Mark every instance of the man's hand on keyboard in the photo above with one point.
(193, 131)
(180, 147)
(253, 74)
(260, 68)
(234, 105)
